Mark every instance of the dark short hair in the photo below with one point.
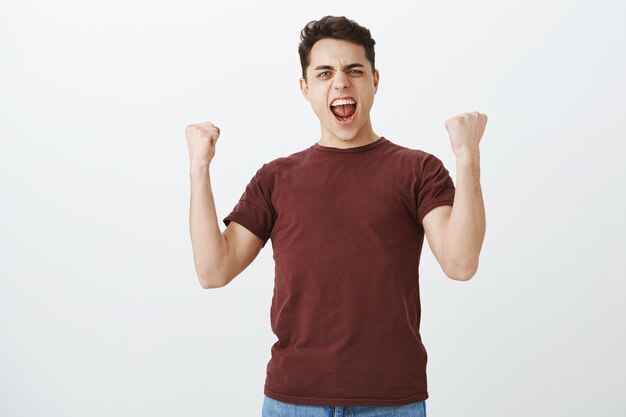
(335, 27)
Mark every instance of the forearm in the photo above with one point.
(466, 227)
(209, 246)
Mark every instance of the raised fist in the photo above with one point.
(201, 141)
(465, 131)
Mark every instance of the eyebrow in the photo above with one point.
(349, 66)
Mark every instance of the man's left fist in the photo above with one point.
(465, 131)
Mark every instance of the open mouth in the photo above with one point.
(344, 113)
(345, 120)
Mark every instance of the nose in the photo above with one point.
(341, 81)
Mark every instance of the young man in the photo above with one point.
(347, 217)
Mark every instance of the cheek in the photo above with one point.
(319, 104)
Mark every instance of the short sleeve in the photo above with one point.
(254, 210)
(435, 186)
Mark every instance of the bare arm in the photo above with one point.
(456, 233)
(218, 257)
(466, 226)
(210, 248)
(461, 234)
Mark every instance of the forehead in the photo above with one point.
(336, 51)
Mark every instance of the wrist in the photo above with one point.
(199, 169)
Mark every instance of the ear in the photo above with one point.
(376, 79)
(304, 88)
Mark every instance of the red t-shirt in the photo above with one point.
(347, 236)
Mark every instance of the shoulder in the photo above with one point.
(419, 160)
(414, 154)
(273, 170)
(285, 163)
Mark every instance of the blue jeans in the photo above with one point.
(275, 408)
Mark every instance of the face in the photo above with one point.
(339, 68)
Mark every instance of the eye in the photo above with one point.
(321, 74)
(357, 71)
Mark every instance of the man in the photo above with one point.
(347, 218)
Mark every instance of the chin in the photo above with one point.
(346, 136)
(343, 132)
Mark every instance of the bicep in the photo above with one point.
(243, 248)
(435, 224)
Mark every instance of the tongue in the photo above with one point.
(345, 110)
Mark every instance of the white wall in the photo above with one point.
(101, 312)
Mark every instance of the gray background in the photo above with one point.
(101, 312)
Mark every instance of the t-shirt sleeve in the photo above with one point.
(254, 210)
(435, 186)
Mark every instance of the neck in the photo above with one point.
(362, 137)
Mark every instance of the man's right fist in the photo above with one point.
(201, 140)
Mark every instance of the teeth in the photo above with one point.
(342, 101)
